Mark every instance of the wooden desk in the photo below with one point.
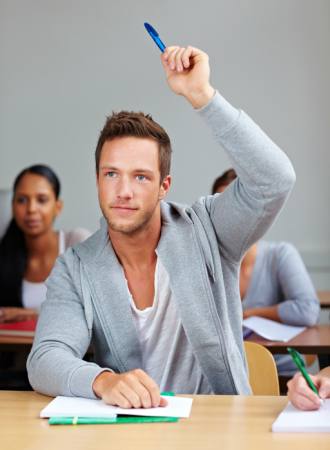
(314, 340)
(216, 422)
(15, 343)
(324, 297)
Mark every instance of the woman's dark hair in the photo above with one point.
(223, 180)
(13, 253)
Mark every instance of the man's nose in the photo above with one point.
(124, 188)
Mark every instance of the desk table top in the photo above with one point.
(313, 340)
(216, 422)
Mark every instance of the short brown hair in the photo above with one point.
(140, 125)
(223, 180)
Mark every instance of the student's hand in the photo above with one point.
(9, 314)
(301, 395)
(133, 389)
(188, 73)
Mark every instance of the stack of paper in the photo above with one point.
(294, 420)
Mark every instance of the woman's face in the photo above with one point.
(34, 205)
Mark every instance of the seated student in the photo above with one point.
(155, 288)
(30, 245)
(274, 282)
(301, 395)
(28, 251)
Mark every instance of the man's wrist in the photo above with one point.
(100, 382)
(200, 98)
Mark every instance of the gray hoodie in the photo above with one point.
(200, 246)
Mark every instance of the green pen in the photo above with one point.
(299, 362)
(108, 420)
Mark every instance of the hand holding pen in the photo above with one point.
(306, 391)
(187, 70)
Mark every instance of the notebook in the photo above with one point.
(25, 328)
(292, 420)
(83, 407)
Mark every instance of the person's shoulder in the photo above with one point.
(279, 250)
(76, 236)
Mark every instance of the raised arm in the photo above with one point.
(243, 213)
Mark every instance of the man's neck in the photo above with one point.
(137, 250)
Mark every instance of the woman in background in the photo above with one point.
(30, 245)
(274, 282)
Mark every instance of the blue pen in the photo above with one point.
(155, 36)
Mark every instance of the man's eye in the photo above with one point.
(110, 174)
(141, 177)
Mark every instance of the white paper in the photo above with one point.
(271, 330)
(296, 421)
(84, 407)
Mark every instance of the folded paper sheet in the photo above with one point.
(269, 329)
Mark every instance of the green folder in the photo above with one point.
(111, 420)
(108, 420)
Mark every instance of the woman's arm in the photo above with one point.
(10, 314)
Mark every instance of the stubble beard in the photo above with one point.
(131, 228)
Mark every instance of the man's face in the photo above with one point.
(128, 182)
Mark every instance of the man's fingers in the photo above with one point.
(150, 386)
(134, 392)
(186, 57)
(118, 399)
(135, 383)
(172, 58)
(163, 401)
(178, 59)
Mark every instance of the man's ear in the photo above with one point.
(165, 187)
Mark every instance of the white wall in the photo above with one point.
(65, 65)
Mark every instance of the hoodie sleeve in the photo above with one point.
(55, 365)
(247, 208)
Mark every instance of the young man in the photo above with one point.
(156, 288)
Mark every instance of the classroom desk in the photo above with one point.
(216, 422)
(313, 340)
(15, 343)
(324, 297)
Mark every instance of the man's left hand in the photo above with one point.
(188, 73)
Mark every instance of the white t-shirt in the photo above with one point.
(167, 356)
(33, 294)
